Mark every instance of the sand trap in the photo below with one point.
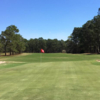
(2, 62)
(98, 60)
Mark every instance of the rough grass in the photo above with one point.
(50, 77)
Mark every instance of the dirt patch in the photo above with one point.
(7, 54)
(25, 54)
(14, 62)
(98, 60)
(54, 57)
(2, 62)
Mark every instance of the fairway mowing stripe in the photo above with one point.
(31, 85)
(76, 80)
(56, 93)
(49, 69)
(77, 70)
(88, 77)
(95, 77)
(17, 86)
(88, 88)
(44, 83)
(89, 84)
(64, 93)
(61, 82)
(43, 91)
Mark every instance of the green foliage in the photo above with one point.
(50, 45)
(20, 45)
(11, 41)
(85, 38)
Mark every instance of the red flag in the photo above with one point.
(42, 51)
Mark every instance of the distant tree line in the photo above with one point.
(14, 43)
(49, 45)
(85, 39)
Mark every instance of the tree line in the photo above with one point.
(14, 43)
(49, 45)
(85, 39)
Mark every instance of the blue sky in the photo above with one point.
(46, 18)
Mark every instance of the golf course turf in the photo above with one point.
(50, 76)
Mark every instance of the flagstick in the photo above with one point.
(42, 51)
(40, 57)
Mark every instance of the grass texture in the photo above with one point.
(53, 76)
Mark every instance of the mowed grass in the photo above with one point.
(53, 76)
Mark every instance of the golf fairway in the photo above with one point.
(56, 77)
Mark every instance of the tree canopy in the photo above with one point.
(85, 39)
(11, 41)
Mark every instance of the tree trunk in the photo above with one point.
(5, 50)
(10, 51)
(94, 49)
(90, 49)
(98, 50)
(19, 52)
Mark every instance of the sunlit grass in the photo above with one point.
(50, 77)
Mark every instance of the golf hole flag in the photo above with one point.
(42, 51)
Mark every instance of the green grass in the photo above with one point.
(50, 77)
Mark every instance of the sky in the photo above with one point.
(50, 19)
